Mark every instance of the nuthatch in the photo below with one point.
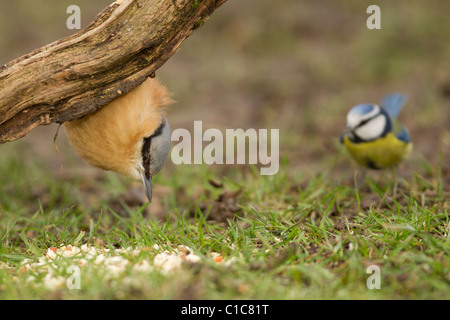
(129, 135)
(374, 137)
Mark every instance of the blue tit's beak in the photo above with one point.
(148, 186)
(347, 131)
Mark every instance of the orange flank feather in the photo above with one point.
(112, 137)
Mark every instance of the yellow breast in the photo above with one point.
(378, 154)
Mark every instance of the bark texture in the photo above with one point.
(72, 77)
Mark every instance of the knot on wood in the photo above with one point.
(45, 119)
(179, 3)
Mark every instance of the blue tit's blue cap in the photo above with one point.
(362, 109)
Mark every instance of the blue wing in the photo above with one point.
(393, 103)
(403, 135)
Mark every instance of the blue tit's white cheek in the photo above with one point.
(373, 129)
(352, 120)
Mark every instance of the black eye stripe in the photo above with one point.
(363, 123)
(146, 156)
(366, 121)
(158, 131)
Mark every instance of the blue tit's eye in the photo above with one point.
(363, 122)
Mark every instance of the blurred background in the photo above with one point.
(293, 65)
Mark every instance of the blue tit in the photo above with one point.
(374, 137)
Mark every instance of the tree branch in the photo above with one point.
(77, 75)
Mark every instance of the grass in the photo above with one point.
(291, 239)
(305, 233)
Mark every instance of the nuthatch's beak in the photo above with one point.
(148, 186)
